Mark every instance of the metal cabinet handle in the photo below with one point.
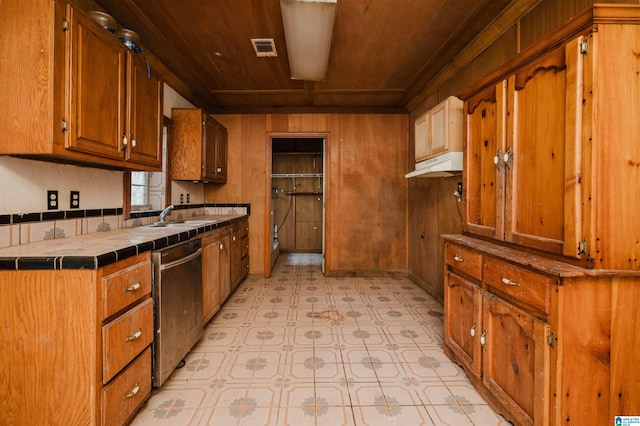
(458, 258)
(473, 330)
(125, 141)
(221, 247)
(507, 158)
(134, 391)
(507, 281)
(134, 287)
(133, 143)
(234, 239)
(133, 337)
(496, 160)
(483, 338)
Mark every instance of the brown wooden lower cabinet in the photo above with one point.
(70, 357)
(540, 339)
(225, 263)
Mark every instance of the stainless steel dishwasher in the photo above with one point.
(177, 293)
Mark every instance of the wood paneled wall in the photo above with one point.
(366, 197)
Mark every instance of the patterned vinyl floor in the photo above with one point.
(303, 349)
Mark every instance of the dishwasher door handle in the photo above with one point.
(181, 260)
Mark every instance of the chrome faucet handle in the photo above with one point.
(165, 212)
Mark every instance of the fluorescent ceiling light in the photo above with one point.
(308, 25)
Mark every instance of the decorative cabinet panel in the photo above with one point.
(516, 360)
(92, 105)
(528, 328)
(463, 322)
(516, 156)
(76, 340)
(540, 168)
(199, 147)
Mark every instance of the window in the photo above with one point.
(140, 191)
(149, 190)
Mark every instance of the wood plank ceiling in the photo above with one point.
(383, 51)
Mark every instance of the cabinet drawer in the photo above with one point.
(122, 397)
(121, 289)
(529, 288)
(465, 260)
(125, 337)
(244, 242)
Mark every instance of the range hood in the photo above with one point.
(445, 165)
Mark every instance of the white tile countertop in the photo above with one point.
(95, 250)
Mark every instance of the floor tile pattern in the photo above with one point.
(303, 349)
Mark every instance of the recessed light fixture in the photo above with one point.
(308, 28)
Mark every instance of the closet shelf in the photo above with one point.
(304, 193)
(301, 175)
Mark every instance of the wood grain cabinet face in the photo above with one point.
(115, 106)
(501, 344)
(76, 97)
(439, 130)
(516, 155)
(463, 321)
(516, 360)
(199, 147)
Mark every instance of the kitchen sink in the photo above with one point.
(182, 223)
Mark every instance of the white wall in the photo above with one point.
(24, 185)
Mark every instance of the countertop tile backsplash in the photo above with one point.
(20, 229)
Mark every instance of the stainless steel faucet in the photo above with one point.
(164, 213)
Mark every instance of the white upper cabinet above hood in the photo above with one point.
(438, 140)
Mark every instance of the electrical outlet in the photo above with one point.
(74, 198)
(188, 198)
(52, 200)
(181, 198)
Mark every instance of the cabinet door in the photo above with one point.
(145, 114)
(221, 153)
(97, 103)
(485, 116)
(236, 257)
(516, 360)
(536, 154)
(463, 320)
(209, 148)
(225, 266)
(210, 277)
(421, 144)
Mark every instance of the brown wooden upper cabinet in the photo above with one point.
(516, 156)
(199, 147)
(548, 158)
(84, 98)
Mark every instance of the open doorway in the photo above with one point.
(297, 195)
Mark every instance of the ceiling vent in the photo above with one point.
(264, 47)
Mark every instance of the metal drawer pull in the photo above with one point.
(507, 281)
(473, 330)
(458, 258)
(134, 391)
(135, 336)
(483, 339)
(132, 288)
